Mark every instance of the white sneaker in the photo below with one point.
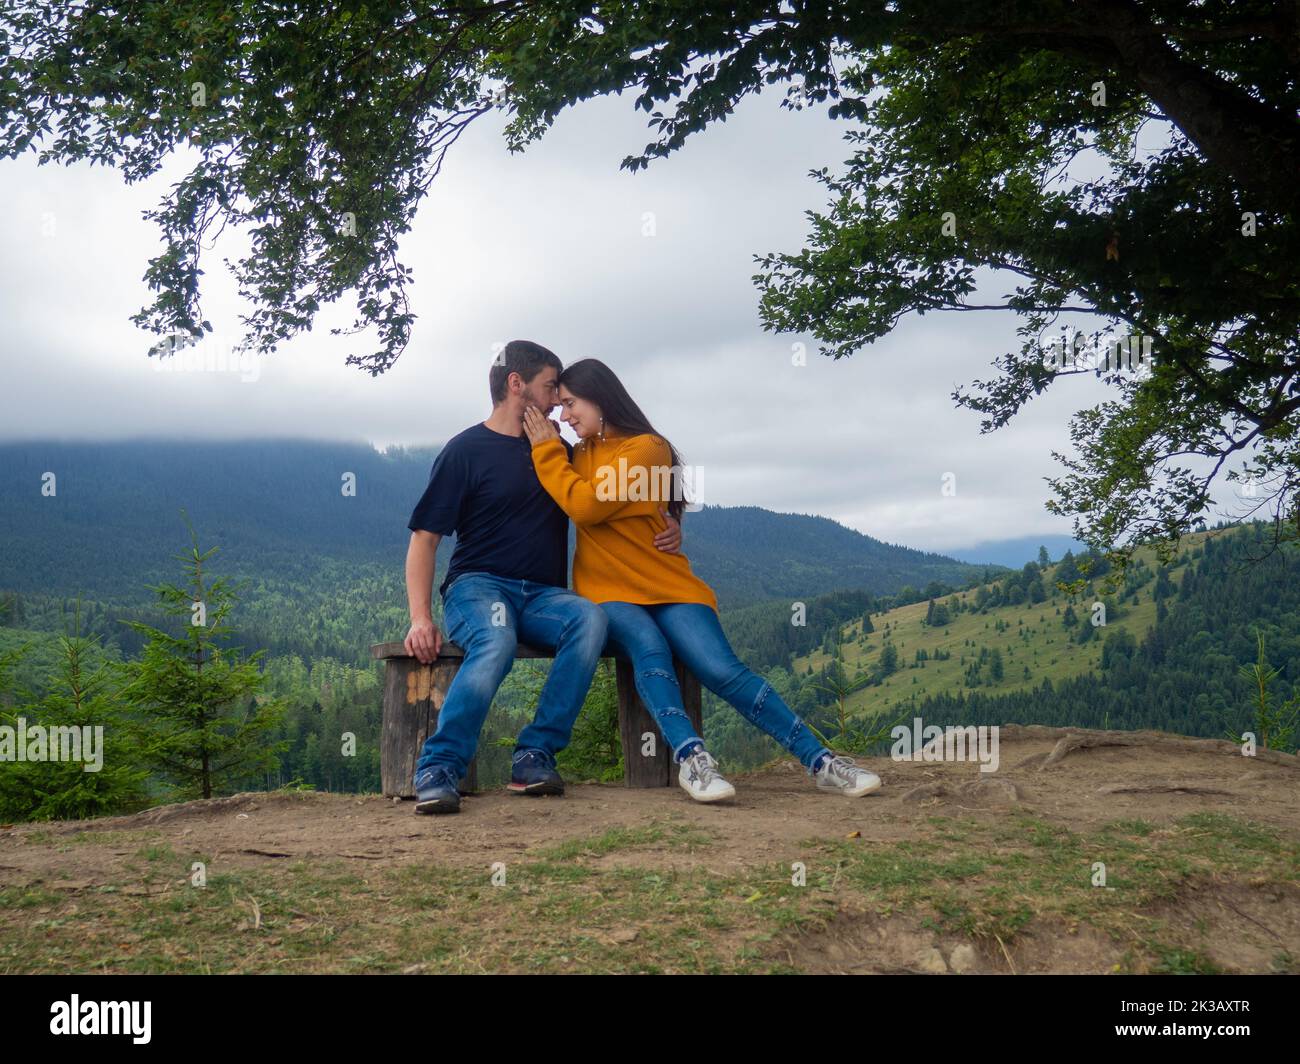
(700, 779)
(842, 774)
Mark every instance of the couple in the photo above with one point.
(507, 488)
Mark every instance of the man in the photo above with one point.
(507, 582)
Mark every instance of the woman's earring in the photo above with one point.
(602, 428)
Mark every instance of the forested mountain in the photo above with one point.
(282, 510)
(276, 509)
(749, 554)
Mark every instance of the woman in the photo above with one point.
(656, 606)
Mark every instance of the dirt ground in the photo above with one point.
(1079, 780)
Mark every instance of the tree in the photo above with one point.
(14, 788)
(1119, 645)
(595, 749)
(1044, 559)
(936, 614)
(969, 162)
(201, 727)
(11, 609)
(836, 687)
(969, 122)
(107, 779)
(1164, 586)
(1067, 572)
(888, 659)
(1275, 726)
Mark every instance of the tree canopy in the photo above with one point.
(1135, 162)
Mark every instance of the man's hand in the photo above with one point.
(670, 539)
(424, 641)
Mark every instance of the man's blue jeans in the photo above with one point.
(487, 616)
(649, 636)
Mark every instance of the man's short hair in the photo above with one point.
(523, 357)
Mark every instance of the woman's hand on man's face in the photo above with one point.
(538, 427)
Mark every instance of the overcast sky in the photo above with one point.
(549, 246)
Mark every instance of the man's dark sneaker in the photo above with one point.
(435, 791)
(533, 772)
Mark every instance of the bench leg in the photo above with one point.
(413, 695)
(646, 760)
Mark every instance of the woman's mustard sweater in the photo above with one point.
(613, 490)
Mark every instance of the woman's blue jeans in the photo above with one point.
(649, 637)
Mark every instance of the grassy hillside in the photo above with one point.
(1028, 635)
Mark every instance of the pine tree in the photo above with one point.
(200, 728)
(836, 687)
(15, 790)
(1274, 725)
(1067, 570)
(995, 665)
(888, 659)
(78, 696)
(11, 610)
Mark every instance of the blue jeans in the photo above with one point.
(649, 636)
(487, 616)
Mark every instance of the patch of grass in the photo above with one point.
(991, 879)
(672, 835)
(37, 838)
(1284, 964)
(605, 903)
(1183, 962)
(1233, 831)
(27, 897)
(1129, 827)
(553, 912)
(89, 837)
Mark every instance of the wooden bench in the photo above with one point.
(414, 694)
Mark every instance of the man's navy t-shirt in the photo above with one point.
(484, 488)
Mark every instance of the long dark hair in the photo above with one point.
(591, 379)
